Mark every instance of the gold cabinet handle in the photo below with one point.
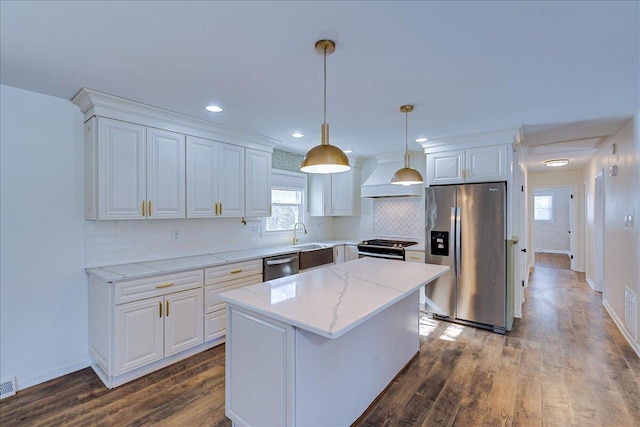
(220, 208)
(414, 257)
(236, 271)
(144, 208)
(164, 285)
(160, 305)
(167, 308)
(150, 206)
(216, 208)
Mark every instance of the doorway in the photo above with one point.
(553, 226)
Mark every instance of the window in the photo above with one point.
(543, 207)
(288, 191)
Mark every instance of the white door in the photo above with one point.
(258, 183)
(445, 167)
(165, 174)
(485, 164)
(183, 321)
(202, 181)
(121, 170)
(231, 180)
(138, 334)
(342, 193)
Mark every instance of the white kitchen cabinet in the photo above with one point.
(350, 252)
(414, 256)
(225, 180)
(335, 194)
(141, 325)
(257, 183)
(220, 279)
(478, 164)
(338, 254)
(132, 172)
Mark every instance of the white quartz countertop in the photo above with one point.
(332, 300)
(136, 270)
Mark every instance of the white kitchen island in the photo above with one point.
(315, 349)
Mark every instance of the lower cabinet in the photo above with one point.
(350, 252)
(154, 328)
(220, 279)
(138, 326)
(338, 254)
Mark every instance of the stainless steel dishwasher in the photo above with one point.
(280, 266)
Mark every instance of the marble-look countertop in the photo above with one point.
(136, 270)
(332, 300)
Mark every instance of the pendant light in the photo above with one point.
(406, 175)
(325, 158)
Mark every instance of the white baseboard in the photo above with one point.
(634, 345)
(553, 251)
(591, 283)
(22, 382)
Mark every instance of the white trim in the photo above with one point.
(499, 137)
(591, 283)
(22, 383)
(634, 345)
(553, 251)
(94, 103)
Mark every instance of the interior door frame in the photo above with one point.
(598, 225)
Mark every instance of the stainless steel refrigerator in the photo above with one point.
(466, 230)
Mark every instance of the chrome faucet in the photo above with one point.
(295, 226)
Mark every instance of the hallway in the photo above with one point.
(564, 363)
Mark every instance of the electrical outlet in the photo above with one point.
(175, 235)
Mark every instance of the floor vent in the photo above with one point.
(7, 387)
(631, 312)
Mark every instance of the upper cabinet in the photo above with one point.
(133, 172)
(225, 180)
(142, 162)
(335, 194)
(476, 164)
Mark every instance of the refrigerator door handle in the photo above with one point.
(458, 245)
(452, 233)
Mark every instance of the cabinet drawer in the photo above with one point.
(414, 256)
(134, 290)
(211, 300)
(222, 273)
(215, 324)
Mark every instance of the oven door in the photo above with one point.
(371, 252)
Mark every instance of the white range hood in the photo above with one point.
(379, 183)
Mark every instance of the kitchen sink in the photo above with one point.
(309, 247)
(314, 255)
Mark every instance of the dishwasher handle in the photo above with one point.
(281, 260)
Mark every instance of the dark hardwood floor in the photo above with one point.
(564, 363)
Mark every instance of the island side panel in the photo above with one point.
(259, 369)
(337, 379)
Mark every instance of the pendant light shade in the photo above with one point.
(406, 175)
(325, 158)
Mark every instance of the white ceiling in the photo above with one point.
(564, 71)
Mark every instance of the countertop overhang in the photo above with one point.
(332, 300)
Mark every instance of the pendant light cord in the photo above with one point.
(406, 141)
(325, 84)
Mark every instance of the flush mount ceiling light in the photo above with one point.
(325, 158)
(556, 163)
(213, 108)
(406, 175)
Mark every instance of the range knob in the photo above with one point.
(364, 242)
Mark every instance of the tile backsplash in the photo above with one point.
(399, 217)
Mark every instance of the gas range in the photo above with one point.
(381, 248)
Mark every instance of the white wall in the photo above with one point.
(569, 178)
(43, 287)
(621, 197)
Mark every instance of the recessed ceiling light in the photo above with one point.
(556, 163)
(213, 108)
(297, 135)
(422, 139)
(347, 151)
